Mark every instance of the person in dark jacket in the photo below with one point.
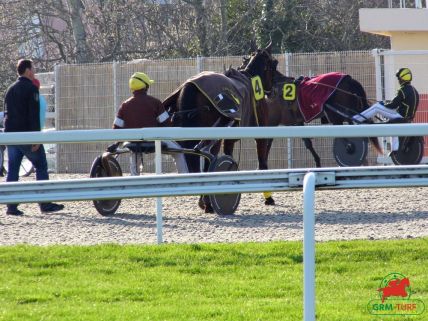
(404, 105)
(21, 108)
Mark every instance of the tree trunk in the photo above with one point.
(224, 27)
(82, 52)
(201, 25)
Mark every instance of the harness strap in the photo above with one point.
(253, 101)
(339, 89)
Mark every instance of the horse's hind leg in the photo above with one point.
(228, 146)
(310, 147)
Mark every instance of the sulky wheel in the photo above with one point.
(350, 151)
(224, 204)
(106, 207)
(410, 152)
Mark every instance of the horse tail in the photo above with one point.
(361, 95)
(376, 145)
(187, 100)
(363, 105)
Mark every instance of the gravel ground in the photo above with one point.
(340, 215)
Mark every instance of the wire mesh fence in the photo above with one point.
(88, 96)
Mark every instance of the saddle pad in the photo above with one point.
(314, 92)
(229, 93)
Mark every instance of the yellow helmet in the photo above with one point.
(139, 80)
(404, 74)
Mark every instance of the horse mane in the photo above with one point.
(280, 78)
(252, 65)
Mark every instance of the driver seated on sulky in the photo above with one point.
(403, 106)
(142, 111)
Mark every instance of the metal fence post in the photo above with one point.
(287, 57)
(199, 64)
(309, 247)
(199, 69)
(379, 87)
(378, 74)
(56, 111)
(115, 98)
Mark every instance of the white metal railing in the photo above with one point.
(251, 181)
(178, 133)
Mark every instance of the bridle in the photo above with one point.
(268, 68)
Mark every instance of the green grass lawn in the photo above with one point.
(252, 281)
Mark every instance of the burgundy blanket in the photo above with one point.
(314, 92)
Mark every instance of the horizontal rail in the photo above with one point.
(211, 183)
(179, 133)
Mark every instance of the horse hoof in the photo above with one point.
(269, 201)
(201, 203)
(209, 209)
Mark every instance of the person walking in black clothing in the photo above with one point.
(21, 111)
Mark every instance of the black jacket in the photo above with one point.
(22, 107)
(406, 102)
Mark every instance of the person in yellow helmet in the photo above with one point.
(140, 111)
(403, 106)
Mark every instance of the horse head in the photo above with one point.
(261, 63)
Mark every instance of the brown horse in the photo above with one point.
(193, 107)
(347, 99)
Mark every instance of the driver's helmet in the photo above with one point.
(404, 74)
(139, 80)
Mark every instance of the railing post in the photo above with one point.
(158, 165)
(309, 247)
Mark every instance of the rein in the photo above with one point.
(346, 92)
(340, 89)
(360, 98)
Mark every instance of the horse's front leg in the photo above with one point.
(263, 147)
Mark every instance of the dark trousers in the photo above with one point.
(37, 158)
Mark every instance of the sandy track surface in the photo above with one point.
(340, 215)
